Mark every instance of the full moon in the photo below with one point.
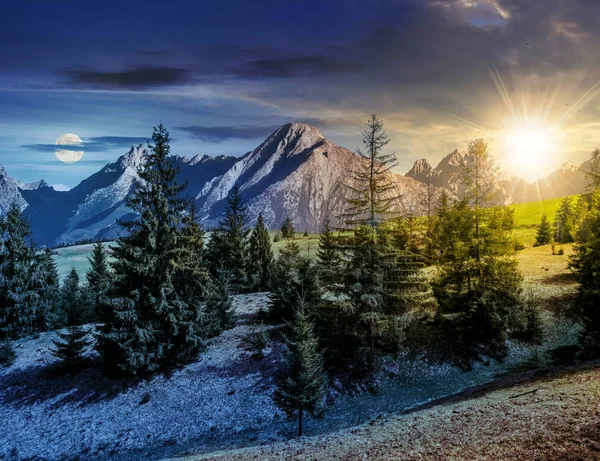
(66, 155)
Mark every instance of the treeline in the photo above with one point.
(80, 242)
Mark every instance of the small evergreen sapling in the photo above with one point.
(260, 262)
(302, 383)
(287, 229)
(71, 345)
(219, 313)
(329, 258)
(98, 278)
(544, 232)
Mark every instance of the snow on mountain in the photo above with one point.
(9, 190)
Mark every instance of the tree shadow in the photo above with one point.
(43, 383)
(266, 362)
(563, 279)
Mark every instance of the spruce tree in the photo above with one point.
(192, 277)
(45, 281)
(371, 187)
(544, 232)
(593, 174)
(19, 300)
(478, 282)
(228, 245)
(302, 383)
(287, 229)
(378, 279)
(564, 223)
(150, 323)
(260, 259)
(284, 282)
(98, 278)
(585, 263)
(219, 314)
(329, 258)
(71, 345)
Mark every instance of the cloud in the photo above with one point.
(136, 78)
(298, 66)
(60, 187)
(218, 134)
(93, 144)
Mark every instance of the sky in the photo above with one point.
(221, 76)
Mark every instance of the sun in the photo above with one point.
(530, 149)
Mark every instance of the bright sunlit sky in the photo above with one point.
(223, 75)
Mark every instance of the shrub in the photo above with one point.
(7, 354)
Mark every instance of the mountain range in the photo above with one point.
(295, 172)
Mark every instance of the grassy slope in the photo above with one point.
(558, 421)
(529, 215)
(73, 257)
(77, 256)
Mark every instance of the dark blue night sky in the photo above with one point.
(222, 75)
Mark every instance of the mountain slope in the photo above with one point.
(10, 190)
(91, 209)
(295, 172)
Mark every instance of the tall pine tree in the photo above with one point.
(151, 323)
(478, 281)
(585, 263)
(19, 301)
(371, 188)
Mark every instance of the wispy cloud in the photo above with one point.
(218, 134)
(136, 78)
(94, 144)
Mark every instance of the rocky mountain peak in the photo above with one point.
(134, 158)
(453, 159)
(567, 167)
(291, 138)
(420, 170)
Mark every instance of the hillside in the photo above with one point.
(549, 418)
(223, 399)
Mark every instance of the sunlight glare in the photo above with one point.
(530, 149)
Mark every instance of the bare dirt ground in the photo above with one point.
(538, 418)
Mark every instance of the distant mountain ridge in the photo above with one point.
(568, 179)
(296, 171)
